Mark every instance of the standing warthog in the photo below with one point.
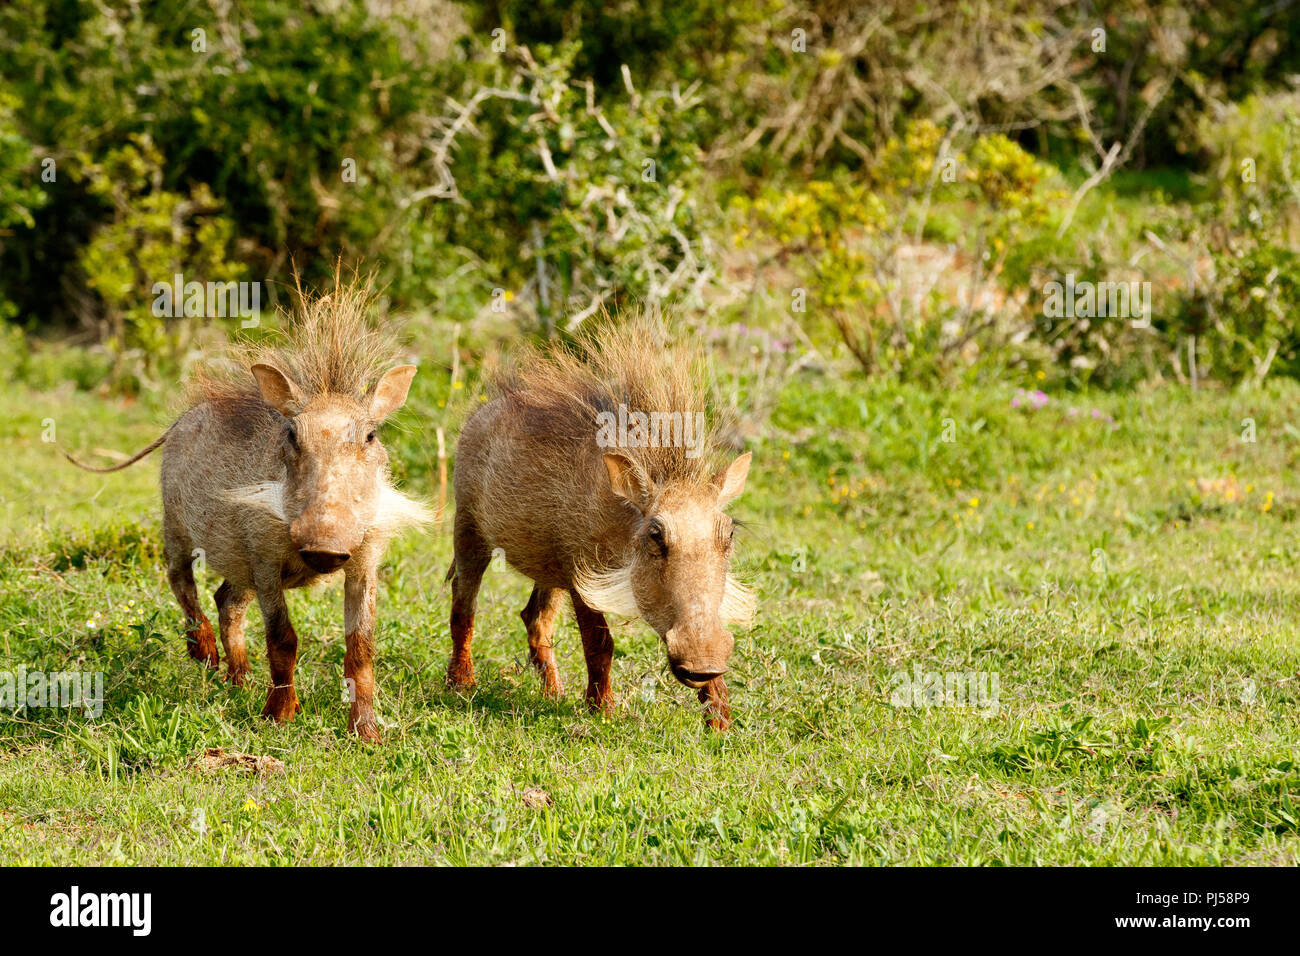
(628, 521)
(275, 478)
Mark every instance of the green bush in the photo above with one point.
(568, 200)
(153, 235)
(20, 195)
(565, 156)
(852, 242)
(270, 108)
(1243, 311)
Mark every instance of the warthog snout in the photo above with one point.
(697, 660)
(323, 562)
(320, 543)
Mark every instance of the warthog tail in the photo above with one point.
(126, 464)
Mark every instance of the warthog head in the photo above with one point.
(336, 485)
(678, 580)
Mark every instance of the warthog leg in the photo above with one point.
(717, 705)
(232, 603)
(202, 643)
(281, 654)
(539, 617)
(359, 591)
(598, 646)
(472, 557)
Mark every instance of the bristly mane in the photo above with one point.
(328, 346)
(632, 364)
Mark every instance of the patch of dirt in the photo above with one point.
(215, 759)
(535, 798)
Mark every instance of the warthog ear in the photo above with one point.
(389, 393)
(277, 391)
(731, 480)
(628, 480)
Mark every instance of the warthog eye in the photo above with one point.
(656, 535)
(371, 437)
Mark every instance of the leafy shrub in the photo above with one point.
(19, 193)
(1254, 156)
(44, 366)
(1241, 309)
(153, 235)
(271, 107)
(855, 244)
(1256, 301)
(567, 200)
(510, 165)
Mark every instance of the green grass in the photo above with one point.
(1133, 585)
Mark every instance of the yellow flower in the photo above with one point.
(250, 806)
(1029, 525)
(974, 502)
(1040, 375)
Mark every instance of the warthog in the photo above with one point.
(635, 528)
(276, 478)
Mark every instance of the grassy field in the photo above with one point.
(1124, 565)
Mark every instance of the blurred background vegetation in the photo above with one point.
(879, 189)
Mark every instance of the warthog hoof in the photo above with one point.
(600, 700)
(460, 675)
(551, 685)
(366, 729)
(202, 644)
(282, 704)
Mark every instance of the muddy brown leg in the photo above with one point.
(598, 646)
(200, 640)
(539, 617)
(359, 590)
(281, 654)
(232, 605)
(717, 704)
(472, 557)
